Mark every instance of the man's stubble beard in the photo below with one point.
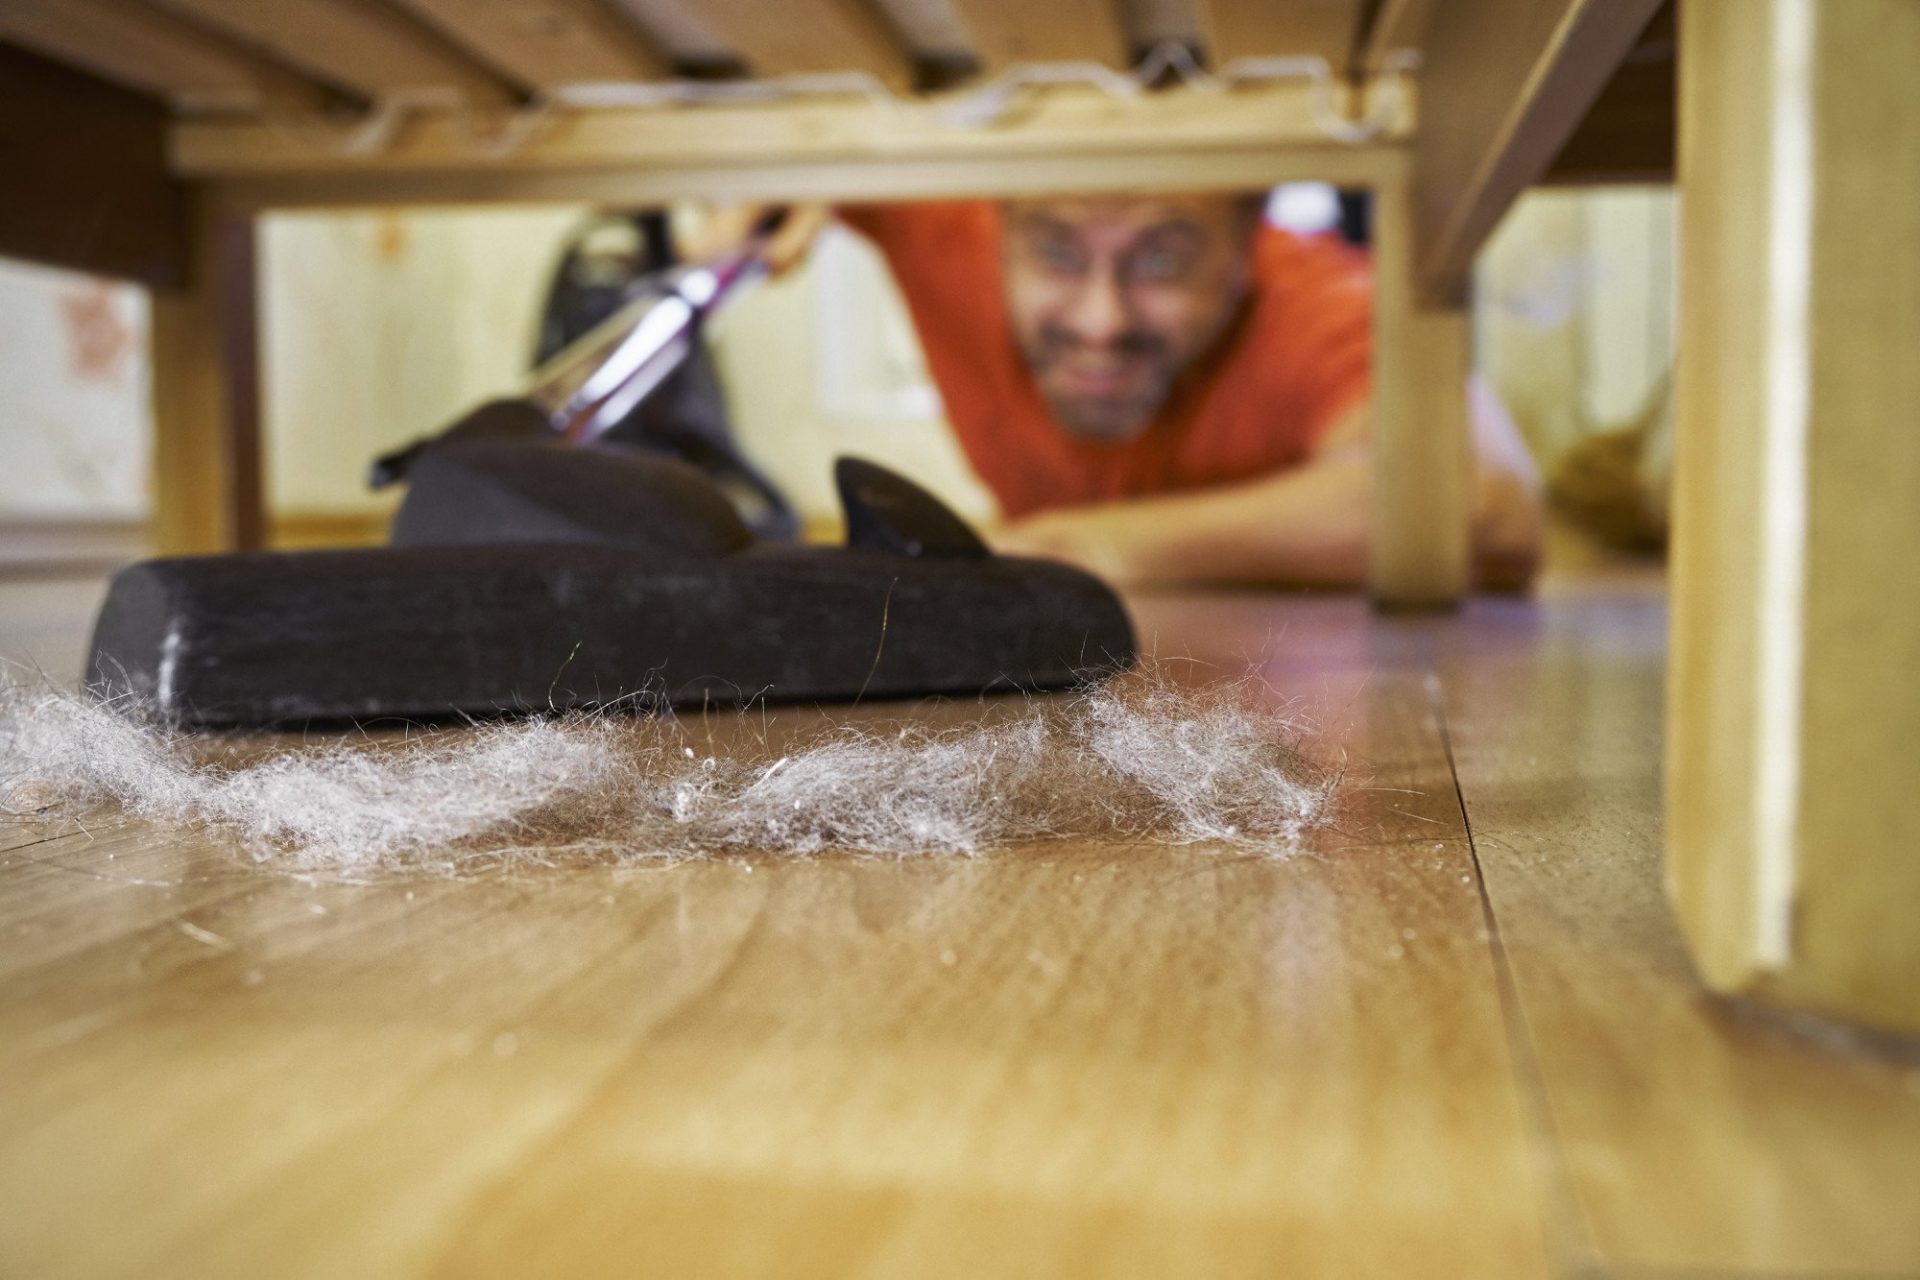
(1108, 422)
(1100, 420)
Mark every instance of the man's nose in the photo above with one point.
(1098, 312)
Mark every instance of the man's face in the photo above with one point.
(1112, 298)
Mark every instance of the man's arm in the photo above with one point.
(1307, 526)
(701, 232)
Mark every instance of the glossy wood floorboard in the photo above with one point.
(1696, 1135)
(1067, 1059)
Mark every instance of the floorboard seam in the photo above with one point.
(1570, 1241)
(12, 849)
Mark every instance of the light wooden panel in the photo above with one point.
(1070, 140)
(1065, 121)
(1694, 1136)
(1279, 28)
(1421, 551)
(809, 36)
(1797, 621)
(930, 28)
(543, 44)
(1069, 1060)
(676, 28)
(870, 178)
(361, 45)
(1503, 84)
(206, 397)
(1008, 31)
(145, 49)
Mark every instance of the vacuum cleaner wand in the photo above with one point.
(588, 388)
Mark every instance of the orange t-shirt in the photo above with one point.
(1295, 359)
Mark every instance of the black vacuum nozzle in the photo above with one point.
(528, 576)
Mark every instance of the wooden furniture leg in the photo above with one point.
(206, 396)
(1422, 451)
(1503, 85)
(1793, 799)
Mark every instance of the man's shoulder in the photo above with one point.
(1295, 266)
(912, 224)
(1303, 353)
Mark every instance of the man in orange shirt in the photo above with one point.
(1167, 388)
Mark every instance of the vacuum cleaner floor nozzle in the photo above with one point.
(583, 618)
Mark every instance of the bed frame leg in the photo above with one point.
(206, 396)
(1422, 452)
(1794, 684)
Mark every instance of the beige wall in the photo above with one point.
(1574, 309)
(74, 403)
(379, 327)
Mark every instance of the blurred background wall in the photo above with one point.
(1574, 323)
(74, 416)
(1573, 311)
(380, 326)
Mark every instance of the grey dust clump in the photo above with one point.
(1140, 758)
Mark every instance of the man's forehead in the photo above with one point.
(1134, 212)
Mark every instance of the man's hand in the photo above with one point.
(1304, 527)
(706, 231)
(1085, 537)
(1309, 526)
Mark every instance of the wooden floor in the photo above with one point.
(1457, 1038)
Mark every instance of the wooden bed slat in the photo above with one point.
(1630, 132)
(1010, 31)
(358, 44)
(543, 44)
(807, 37)
(1272, 28)
(1069, 140)
(1396, 24)
(154, 53)
(675, 29)
(1503, 85)
(121, 214)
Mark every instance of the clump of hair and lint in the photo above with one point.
(1140, 758)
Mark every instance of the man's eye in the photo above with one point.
(1059, 256)
(1159, 266)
